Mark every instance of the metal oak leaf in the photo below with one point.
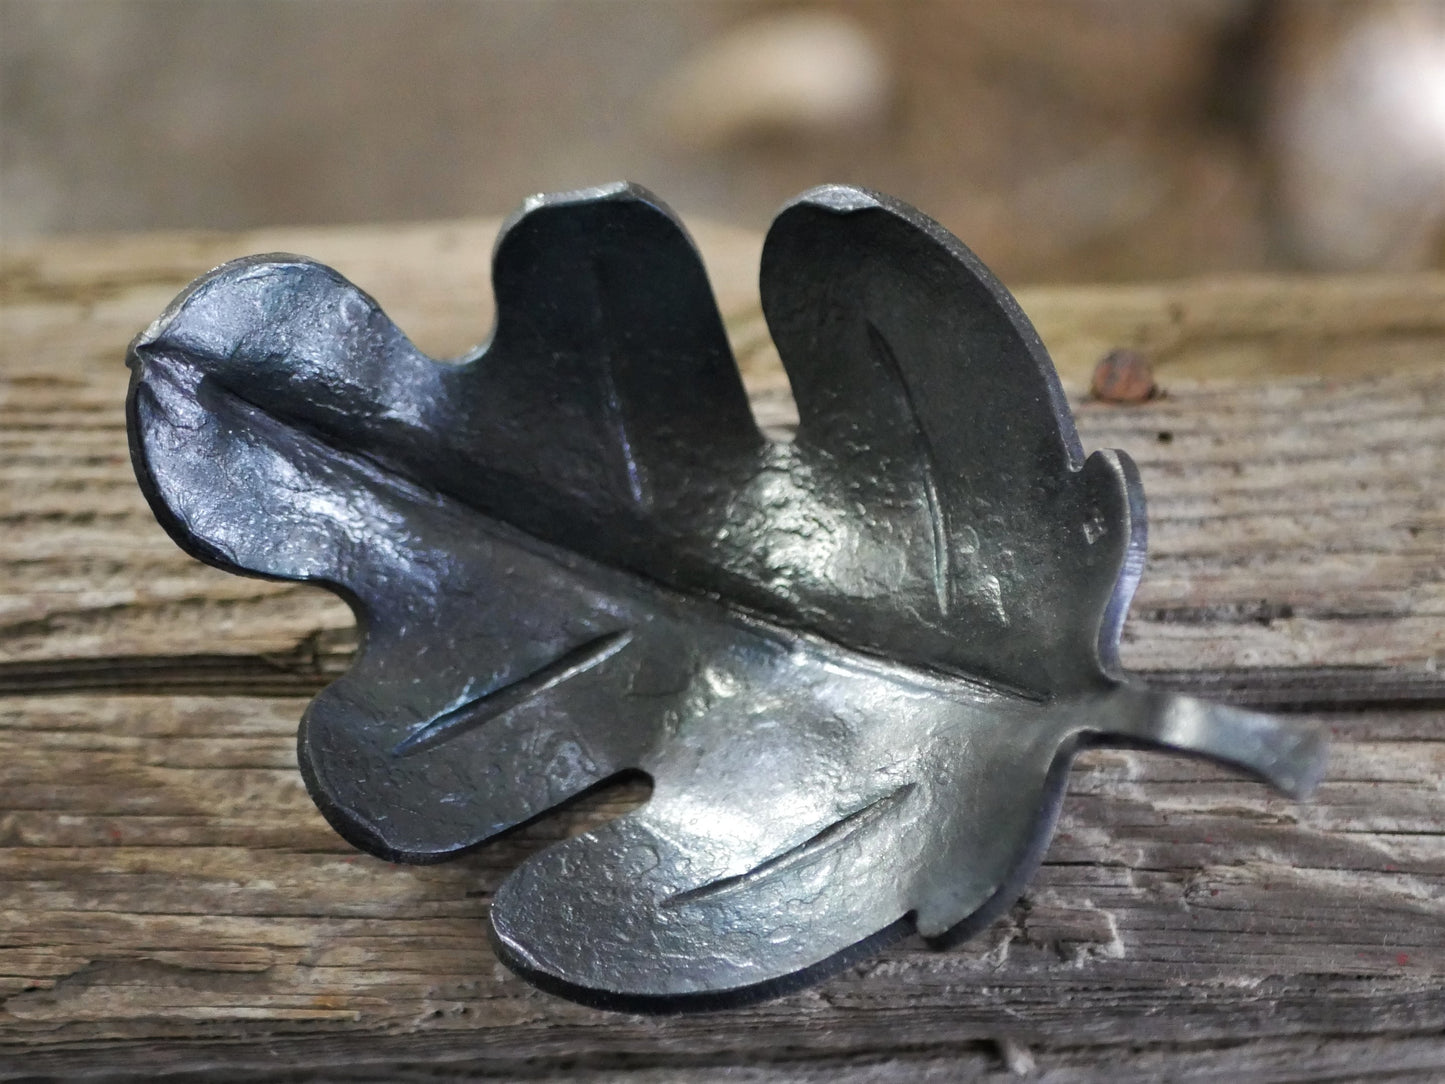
(855, 664)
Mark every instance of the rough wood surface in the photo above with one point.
(170, 901)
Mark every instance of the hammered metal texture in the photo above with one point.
(855, 664)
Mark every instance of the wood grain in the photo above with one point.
(171, 900)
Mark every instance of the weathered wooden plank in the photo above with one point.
(1294, 525)
(400, 1060)
(168, 895)
(163, 874)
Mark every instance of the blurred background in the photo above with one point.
(1062, 139)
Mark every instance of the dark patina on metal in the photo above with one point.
(855, 664)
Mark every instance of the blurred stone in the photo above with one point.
(798, 72)
(1356, 133)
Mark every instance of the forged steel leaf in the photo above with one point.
(854, 664)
